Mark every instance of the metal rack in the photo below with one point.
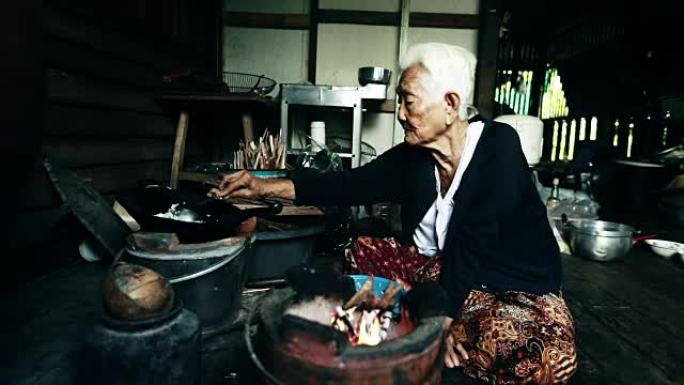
(329, 96)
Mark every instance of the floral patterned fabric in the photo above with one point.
(385, 257)
(517, 338)
(511, 338)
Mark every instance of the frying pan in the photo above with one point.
(219, 219)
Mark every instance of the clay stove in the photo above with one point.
(294, 350)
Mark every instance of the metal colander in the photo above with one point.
(237, 82)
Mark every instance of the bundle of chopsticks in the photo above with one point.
(267, 153)
(366, 319)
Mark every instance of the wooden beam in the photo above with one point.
(218, 38)
(68, 121)
(75, 153)
(538, 81)
(358, 17)
(179, 148)
(337, 16)
(487, 47)
(66, 88)
(126, 44)
(444, 20)
(313, 40)
(265, 20)
(80, 59)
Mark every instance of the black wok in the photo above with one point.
(217, 219)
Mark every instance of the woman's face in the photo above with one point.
(422, 113)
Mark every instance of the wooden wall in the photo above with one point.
(103, 66)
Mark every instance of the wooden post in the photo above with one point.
(247, 127)
(179, 148)
(218, 39)
(487, 47)
(539, 71)
(313, 40)
(405, 13)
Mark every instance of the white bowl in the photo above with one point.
(665, 249)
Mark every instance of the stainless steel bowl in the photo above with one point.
(600, 240)
(375, 75)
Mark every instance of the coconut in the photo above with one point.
(133, 292)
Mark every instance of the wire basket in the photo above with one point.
(236, 82)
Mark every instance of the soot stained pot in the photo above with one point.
(600, 240)
(207, 277)
(277, 251)
(216, 219)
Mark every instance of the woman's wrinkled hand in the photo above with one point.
(456, 355)
(241, 184)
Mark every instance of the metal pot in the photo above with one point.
(600, 240)
(374, 75)
(217, 219)
(207, 277)
(277, 251)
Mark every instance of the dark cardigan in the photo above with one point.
(499, 238)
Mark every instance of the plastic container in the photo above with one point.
(530, 129)
(664, 248)
(380, 284)
(317, 136)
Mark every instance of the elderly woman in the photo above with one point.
(470, 216)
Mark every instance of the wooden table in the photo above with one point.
(185, 103)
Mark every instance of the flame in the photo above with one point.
(369, 328)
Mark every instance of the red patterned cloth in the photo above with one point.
(385, 257)
(511, 338)
(517, 338)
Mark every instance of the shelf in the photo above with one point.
(217, 98)
(340, 154)
(387, 105)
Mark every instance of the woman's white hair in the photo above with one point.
(450, 67)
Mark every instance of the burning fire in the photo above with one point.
(365, 319)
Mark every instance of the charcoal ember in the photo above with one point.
(343, 322)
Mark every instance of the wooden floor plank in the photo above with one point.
(616, 361)
(612, 287)
(614, 310)
(588, 371)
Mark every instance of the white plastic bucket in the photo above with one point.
(530, 129)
